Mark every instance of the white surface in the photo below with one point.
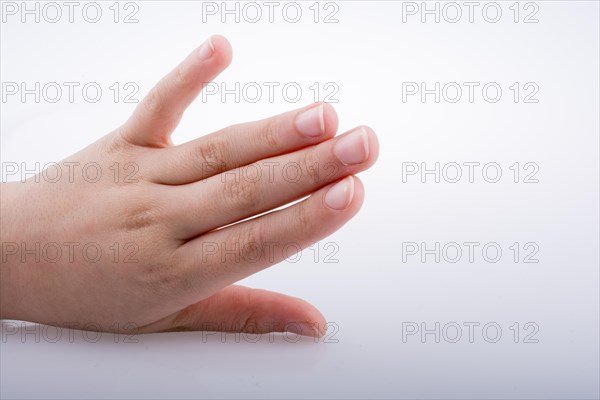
(370, 292)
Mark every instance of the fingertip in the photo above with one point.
(311, 323)
(359, 193)
(373, 144)
(293, 314)
(223, 52)
(358, 197)
(347, 194)
(321, 326)
(315, 122)
(330, 119)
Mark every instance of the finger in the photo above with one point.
(235, 195)
(224, 256)
(242, 144)
(159, 112)
(242, 309)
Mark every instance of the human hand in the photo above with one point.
(148, 243)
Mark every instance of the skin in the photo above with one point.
(173, 214)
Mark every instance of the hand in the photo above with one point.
(137, 231)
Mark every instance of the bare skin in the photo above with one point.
(155, 242)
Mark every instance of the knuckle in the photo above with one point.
(116, 143)
(248, 323)
(153, 100)
(139, 217)
(211, 156)
(182, 77)
(251, 235)
(241, 193)
(310, 166)
(246, 318)
(270, 133)
(155, 106)
(304, 221)
(246, 243)
(163, 278)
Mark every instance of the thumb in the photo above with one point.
(242, 309)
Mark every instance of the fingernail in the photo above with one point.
(311, 122)
(206, 50)
(340, 195)
(353, 148)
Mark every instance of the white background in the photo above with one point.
(370, 294)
